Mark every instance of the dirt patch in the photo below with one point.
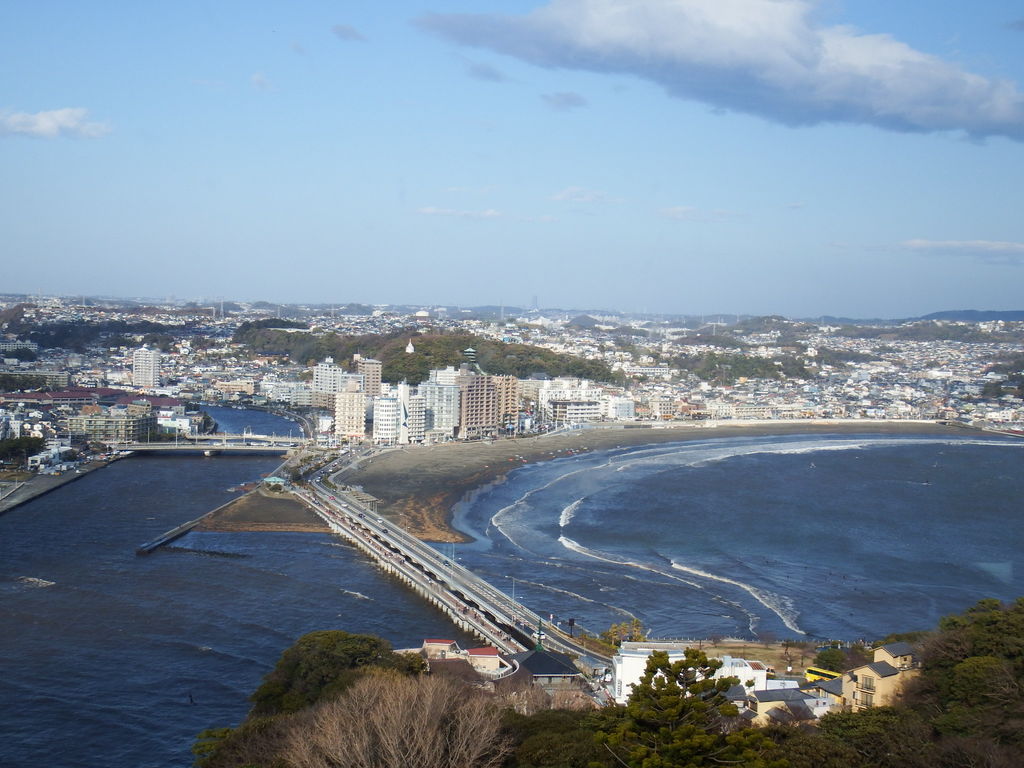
(264, 511)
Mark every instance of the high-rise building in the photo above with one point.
(146, 367)
(441, 406)
(386, 419)
(330, 379)
(371, 371)
(486, 403)
(350, 414)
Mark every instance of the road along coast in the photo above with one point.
(418, 486)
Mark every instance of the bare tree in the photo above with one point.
(389, 721)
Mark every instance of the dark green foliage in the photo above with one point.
(247, 329)
(25, 355)
(79, 335)
(435, 350)
(810, 749)
(162, 341)
(928, 330)
(20, 447)
(727, 368)
(881, 735)
(9, 383)
(677, 717)
(966, 708)
(831, 658)
(321, 665)
(972, 681)
(555, 738)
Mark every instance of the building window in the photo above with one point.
(867, 699)
(867, 683)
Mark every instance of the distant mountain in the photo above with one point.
(976, 315)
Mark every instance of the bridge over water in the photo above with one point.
(219, 442)
(471, 602)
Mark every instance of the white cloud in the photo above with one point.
(771, 58)
(490, 213)
(992, 251)
(259, 81)
(689, 213)
(51, 124)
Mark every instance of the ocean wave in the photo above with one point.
(574, 546)
(31, 582)
(696, 454)
(569, 513)
(752, 618)
(359, 595)
(780, 605)
(577, 596)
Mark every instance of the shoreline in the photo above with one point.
(40, 485)
(419, 487)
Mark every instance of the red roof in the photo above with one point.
(482, 651)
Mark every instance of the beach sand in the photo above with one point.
(419, 485)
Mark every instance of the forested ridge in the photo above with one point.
(432, 350)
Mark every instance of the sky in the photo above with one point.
(795, 157)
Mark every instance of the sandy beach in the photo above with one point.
(419, 485)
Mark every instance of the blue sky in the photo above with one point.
(692, 156)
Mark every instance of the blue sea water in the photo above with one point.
(111, 659)
(107, 658)
(818, 535)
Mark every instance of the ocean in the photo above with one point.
(107, 658)
(817, 536)
(111, 659)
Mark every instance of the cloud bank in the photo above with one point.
(770, 58)
(52, 124)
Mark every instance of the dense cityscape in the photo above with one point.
(111, 371)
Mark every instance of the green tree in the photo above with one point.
(323, 664)
(678, 717)
(831, 658)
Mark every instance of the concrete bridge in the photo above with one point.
(472, 603)
(219, 442)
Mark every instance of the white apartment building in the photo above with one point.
(619, 408)
(330, 379)
(350, 415)
(290, 392)
(570, 401)
(629, 663)
(386, 417)
(146, 367)
(448, 377)
(441, 406)
(399, 416)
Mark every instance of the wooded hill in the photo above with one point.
(432, 350)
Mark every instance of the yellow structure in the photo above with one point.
(881, 682)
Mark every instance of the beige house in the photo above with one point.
(880, 683)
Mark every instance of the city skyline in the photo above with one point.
(753, 156)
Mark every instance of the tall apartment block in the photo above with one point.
(146, 367)
(371, 371)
